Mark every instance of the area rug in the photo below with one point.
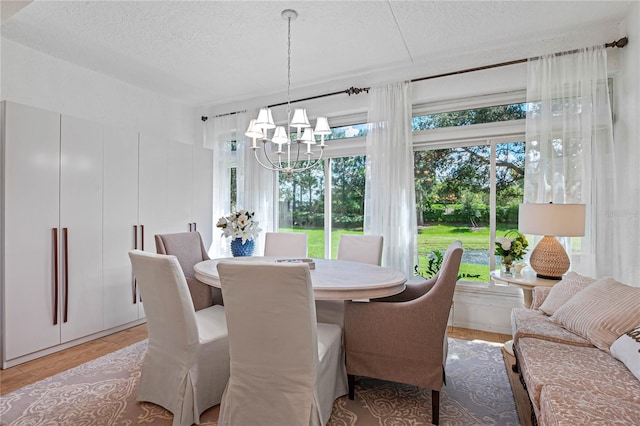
(103, 392)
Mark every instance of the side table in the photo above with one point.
(526, 280)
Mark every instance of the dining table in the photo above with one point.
(332, 279)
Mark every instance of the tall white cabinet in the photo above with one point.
(52, 231)
(121, 228)
(77, 197)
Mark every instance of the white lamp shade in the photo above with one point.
(253, 131)
(307, 136)
(322, 126)
(265, 119)
(300, 119)
(280, 136)
(559, 220)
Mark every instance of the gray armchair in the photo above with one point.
(189, 249)
(404, 341)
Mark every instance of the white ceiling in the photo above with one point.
(224, 52)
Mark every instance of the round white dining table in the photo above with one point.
(331, 279)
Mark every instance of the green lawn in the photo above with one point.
(430, 238)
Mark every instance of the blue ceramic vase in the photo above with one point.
(238, 249)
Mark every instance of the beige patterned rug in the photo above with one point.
(103, 392)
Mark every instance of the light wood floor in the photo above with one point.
(30, 372)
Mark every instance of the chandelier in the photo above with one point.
(259, 128)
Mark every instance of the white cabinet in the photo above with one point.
(81, 227)
(120, 229)
(77, 197)
(176, 183)
(52, 229)
(31, 297)
(152, 189)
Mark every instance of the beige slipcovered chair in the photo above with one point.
(189, 249)
(286, 369)
(361, 248)
(285, 244)
(404, 342)
(354, 248)
(186, 366)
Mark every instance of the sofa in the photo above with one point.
(577, 350)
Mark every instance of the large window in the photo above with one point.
(469, 176)
(461, 194)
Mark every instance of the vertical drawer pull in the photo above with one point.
(55, 276)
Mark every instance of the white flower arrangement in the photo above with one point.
(239, 224)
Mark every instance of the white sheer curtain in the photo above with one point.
(389, 190)
(221, 132)
(256, 185)
(571, 158)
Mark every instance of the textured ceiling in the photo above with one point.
(221, 52)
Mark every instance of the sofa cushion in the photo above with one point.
(627, 349)
(574, 369)
(585, 407)
(532, 323)
(601, 312)
(560, 293)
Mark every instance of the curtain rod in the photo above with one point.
(356, 90)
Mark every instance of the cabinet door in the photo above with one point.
(179, 187)
(120, 225)
(31, 141)
(153, 193)
(202, 205)
(81, 227)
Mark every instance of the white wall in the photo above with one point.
(33, 78)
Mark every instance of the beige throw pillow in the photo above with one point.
(602, 312)
(560, 293)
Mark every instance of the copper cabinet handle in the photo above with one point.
(65, 239)
(55, 276)
(135, 237)
(135, 291)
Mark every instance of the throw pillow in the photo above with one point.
(627, 349)
(560, 293)
(601, 313)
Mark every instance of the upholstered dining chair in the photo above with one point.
(285, 244)
(404, 342)
(361, 248)
(186, 366)
(354, 248)
(286, 369)
(189, 249)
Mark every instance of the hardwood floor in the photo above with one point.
(22, 375)
(30, 372)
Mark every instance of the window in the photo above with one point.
(469, 177)
(461, 194)
(301, 206)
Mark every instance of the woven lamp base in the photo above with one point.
(549, 259)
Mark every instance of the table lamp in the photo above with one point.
(549, 259)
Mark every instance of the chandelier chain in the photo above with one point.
(288, 73)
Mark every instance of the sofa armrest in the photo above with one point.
(539, 294)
